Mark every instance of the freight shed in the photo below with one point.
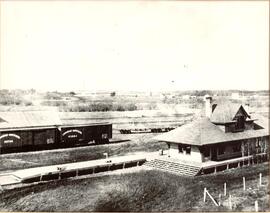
(25, 130)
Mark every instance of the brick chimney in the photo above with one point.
(208, 105)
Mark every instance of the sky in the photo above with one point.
(134, 45)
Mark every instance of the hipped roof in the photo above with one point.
(203, 132)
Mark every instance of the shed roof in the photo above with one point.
(26, 119)
(202, 132)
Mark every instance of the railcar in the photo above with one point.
(85, 134)
(26, 139)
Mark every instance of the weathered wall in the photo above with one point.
(231, 126)
(194, 155)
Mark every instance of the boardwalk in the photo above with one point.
(73, 169)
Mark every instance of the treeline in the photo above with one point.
(91, 107)
(101, 107)
(13, 98)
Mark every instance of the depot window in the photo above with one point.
(188, 150)
(221, 150)
(240, 125)
(180, 148)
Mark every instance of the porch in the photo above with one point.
(217, 166)
(193, 168)
(234, 149)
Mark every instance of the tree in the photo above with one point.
(72, 93)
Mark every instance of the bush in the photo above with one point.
(53, 96)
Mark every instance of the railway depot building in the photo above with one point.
(31, 130)
(226, 137)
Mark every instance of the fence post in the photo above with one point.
(225, 189)
(230, 201)
(244, 183)
(219, 199)
(214, 201)
(256, 206)
(204, 194)
(260, 180)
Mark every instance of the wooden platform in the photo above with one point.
(70, 170)
(8, 179)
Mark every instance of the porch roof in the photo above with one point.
(202, 132)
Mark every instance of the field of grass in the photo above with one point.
(138, 143)
(143, 190)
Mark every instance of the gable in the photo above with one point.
(227, 112)
(241, 112)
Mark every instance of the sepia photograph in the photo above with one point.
(134, 106)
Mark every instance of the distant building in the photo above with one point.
(227, 135)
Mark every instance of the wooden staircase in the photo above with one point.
(178, 168)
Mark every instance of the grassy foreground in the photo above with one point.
(145, 190)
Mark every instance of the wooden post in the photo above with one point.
(230, 201)
(40, 179)
(256, 206)
(219, 199)
(138, 163)
(260, 180)
(59, 175)
(244, 183)
(248, 148)
(124, 165)
(204, 194)
(77, 172)
(214, 201)
(242, 148)
(225, 189)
